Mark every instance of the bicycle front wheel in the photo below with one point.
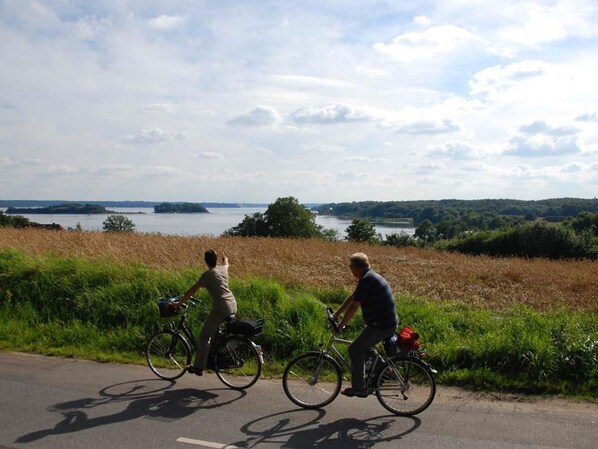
(405, 387)
(312, 380)
(237, 363)
(167, 354)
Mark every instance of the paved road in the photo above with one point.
(60, 403)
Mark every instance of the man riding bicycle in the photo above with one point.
(374, 296)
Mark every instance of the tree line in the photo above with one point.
(464, 231)
(554, 210)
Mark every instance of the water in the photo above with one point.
(214, 223)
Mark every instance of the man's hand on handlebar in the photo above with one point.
(333, 320)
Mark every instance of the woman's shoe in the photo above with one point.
(195, 370)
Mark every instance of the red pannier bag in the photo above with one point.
(408, 338)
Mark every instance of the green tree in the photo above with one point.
(287, 218)
(426, 231)
(586, 221)
(16, 221)
(361, 230)
(284, 218)
(118, 223)
(399, 239)
(252, 226)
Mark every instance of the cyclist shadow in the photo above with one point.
(152, 399)
(346, 433)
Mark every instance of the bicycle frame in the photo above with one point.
(379, 359)
(182, 327)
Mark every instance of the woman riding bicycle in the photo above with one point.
(215, 281)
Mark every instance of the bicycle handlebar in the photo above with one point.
(333, 323)
(193, 301)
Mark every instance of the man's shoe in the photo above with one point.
(350, 392)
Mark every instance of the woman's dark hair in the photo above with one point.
(210, 257)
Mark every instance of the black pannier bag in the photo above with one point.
(245, 326)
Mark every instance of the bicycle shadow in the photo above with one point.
(144, 398)
(346, 433)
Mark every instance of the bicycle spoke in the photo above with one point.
(312, 381)
(237, 363)
(405, 387)
(167, 354)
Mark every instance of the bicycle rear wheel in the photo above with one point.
(167, 354)
(405, 387)
(312, 380)
(237, 363)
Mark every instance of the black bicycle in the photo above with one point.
(233, 356)
(403, 383)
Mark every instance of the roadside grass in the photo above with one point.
(105, 311)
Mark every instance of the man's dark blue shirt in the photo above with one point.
(377, 302)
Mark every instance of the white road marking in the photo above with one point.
(206, 443)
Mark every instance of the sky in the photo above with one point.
(325, 101)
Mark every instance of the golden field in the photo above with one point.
(477, 281)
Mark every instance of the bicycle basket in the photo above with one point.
(245, 326)
(166, 307)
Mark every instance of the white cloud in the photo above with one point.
(540, 24)
(61, 170)
(117, 169)
(14, 162)
(454, 150)
(327, 148)
(587, 117)
(493, 80)
(154, 135)
(541, 146)
(209, 155)
(161, 170)
(164, 22)
(258, 116)
(159, 107)
(541, 127)
(425, 45)
(476, 167)
(365, 159)
(352, 176)
(90, 27)
(430, 167)
(328, 115)
(427, 127)
(422, 20)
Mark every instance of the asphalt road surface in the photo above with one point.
(61, 403)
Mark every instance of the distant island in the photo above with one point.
(122, 204)
(68, 208)
(180, 208)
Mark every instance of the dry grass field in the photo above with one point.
(476, 281)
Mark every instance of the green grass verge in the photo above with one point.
(100, 311)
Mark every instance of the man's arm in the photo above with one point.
(351, 309)
(343, 307)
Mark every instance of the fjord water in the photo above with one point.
(214, 223)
